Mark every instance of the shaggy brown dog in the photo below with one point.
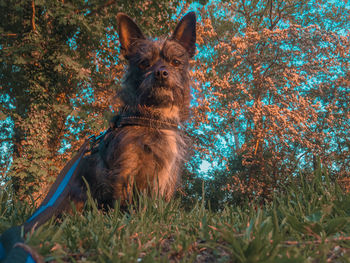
(144, 148)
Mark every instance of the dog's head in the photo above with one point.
(158, 73)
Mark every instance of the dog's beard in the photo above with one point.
(158, 97)
(158, 94)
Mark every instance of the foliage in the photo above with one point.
(309, 222)
(272, 90)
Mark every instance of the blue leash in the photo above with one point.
(12, 247)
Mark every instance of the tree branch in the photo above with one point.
(33, 15)
(107, 4)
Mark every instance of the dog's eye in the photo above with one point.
(175, 62)
(144, 64)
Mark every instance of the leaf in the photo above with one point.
(295, 224)
(20, 60)
(335, 225)
(2, 116)
(315, 217)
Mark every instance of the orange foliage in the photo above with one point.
(269, 90)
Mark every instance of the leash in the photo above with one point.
(12, 246)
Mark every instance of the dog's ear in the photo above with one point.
(185, 33)
(128, 32)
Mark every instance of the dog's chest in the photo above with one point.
(147, 151)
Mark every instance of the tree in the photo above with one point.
(274, 88)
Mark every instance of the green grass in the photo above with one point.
(309, 222)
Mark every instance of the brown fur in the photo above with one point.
(157, 86)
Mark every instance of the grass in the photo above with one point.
(309, 222)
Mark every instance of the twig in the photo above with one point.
(9, 35)
(33, 15)
(295, 243)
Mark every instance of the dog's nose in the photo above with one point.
(162, 74)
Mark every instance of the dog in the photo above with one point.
(144, 148)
